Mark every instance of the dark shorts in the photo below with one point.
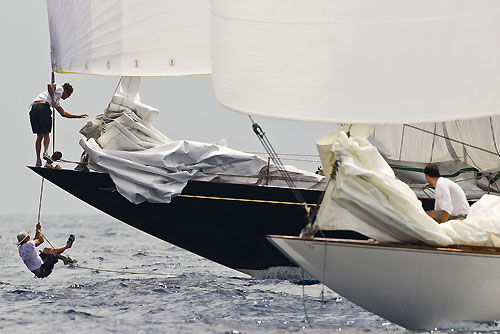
(41, 118)
(49, 260)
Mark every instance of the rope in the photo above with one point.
(40, 202)
(45, 238)
(453, 140)
(89, 268)
(121, 271)
(324, 273)
(40, 211)
(304, 298)
(274, 156)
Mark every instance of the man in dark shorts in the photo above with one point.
(41, 115)
(41, 264)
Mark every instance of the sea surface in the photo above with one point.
(176, 292)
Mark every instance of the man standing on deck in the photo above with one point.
(41, 115)
(451, 202)
(41, 265)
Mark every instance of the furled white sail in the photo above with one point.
(130, 37)
(146, 165)
(366, 197)
(358, 61)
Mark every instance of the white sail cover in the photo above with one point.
(146, 165)
(130, 37)
(357, 61)
(365, 196)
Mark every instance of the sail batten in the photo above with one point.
(130, 37)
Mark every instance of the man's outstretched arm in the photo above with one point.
(66, 114)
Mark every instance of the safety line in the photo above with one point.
(45, 238)
(244, 200)
(40, 200)
(40, 211)
(121, 271)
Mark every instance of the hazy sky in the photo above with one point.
(188, 110)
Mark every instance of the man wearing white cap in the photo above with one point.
(41, 265)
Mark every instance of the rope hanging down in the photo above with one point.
(40, 211)
(89, 268)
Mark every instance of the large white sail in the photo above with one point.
(474, 142)
(130, 37)
(357, 61)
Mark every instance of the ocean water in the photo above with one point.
(194, 296)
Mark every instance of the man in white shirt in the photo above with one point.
(41, 115)
(451, 202)
(41, 265)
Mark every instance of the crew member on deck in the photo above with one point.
(41, 118)
(451, 202)
(41, 265)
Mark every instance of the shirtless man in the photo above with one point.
(451, 202)
(41, 265)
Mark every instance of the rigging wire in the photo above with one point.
(281, 168)
(274, 156)
(464, 144)
(453, 140)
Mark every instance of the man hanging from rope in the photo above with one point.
(41, 265)
(41, 115)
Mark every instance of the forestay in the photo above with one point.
(358, 61)
(130, 37)
(145, 165)
(366, 197)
